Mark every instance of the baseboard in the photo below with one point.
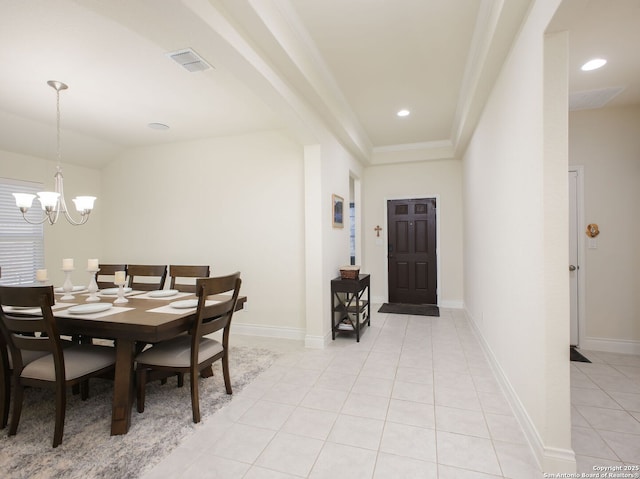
(549, 459)
(316, 342)
(625, 346)
(268, 331)
(452, 304)
(378, 300)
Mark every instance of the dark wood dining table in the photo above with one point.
(129, 328)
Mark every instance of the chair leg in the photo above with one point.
(61, 406)
(5, 398)
(180, 379)
(141, 380)
(225, 373)
(195, 399)
(84, 390)
(18, 395)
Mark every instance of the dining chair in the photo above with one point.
(108, 270)
(157, 272)
(193, 352)
(181, 271)
(6, 368)
(64, 364)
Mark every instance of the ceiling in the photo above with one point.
(315, 68)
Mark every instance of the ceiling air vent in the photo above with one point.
(189, 60)
(591, 99)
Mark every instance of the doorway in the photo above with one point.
(576, 269)
(412, 260)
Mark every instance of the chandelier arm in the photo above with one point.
(44, 218)
(63, 203)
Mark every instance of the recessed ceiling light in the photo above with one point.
(403, 113)
(158, 126)
(593, 64)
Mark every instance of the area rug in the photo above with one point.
(576, 356)
(415, 309)
(89, 451)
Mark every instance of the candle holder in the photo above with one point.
(93, 286)
(121, 298)
(67, 286)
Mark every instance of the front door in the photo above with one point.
(411, 226)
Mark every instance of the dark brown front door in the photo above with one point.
(412, 251)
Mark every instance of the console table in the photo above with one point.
(350, 309)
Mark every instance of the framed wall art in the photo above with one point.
(338, 211)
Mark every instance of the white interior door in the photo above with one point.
(573, 256)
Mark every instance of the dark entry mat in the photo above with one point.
(576, 356)
(416, 309)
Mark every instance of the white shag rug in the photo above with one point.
(88, 450)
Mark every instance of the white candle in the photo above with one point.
(92, 264)
(67, 264)
(41, 275)
(119, 277)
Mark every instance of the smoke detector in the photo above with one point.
(189, 60)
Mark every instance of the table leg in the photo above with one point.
(122, 387)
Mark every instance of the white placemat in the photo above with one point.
(108, 312)
(10, 309)
(115, 295)
(168, 309)
(179, 294)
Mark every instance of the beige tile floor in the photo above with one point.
(605, 400)
(415, 398)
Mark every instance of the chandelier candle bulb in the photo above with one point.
(119, 278)
(92, 264)
(67, 264)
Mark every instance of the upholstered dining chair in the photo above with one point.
(157, 273)
(193, 352)
(6, 370)
(62, 365)
(181, 271)
(108, 270)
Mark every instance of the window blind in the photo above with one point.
(21, 243)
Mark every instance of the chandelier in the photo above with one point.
(53, 202)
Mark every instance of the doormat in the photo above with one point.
(576, 356)
(415, 309)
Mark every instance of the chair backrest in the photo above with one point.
(181, 271)
(32, 333)
(216, 316)
(159, 272)
(108, 270)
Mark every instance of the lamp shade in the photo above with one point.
(84, 203)
(24, 200)
(48, 199)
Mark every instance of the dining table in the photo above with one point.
(146, 318)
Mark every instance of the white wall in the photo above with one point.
(514, 201)
(328, 167)
(235, 203)
(62, 240)
(607, 144)
(427, 179)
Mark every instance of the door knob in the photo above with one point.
(572, 267)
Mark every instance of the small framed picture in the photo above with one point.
(338, 211)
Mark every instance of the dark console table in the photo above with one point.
(350, 308)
